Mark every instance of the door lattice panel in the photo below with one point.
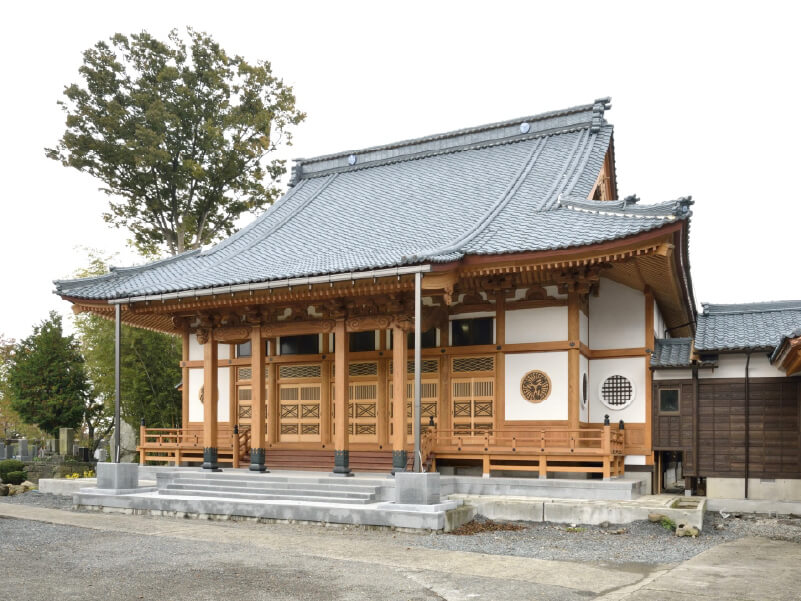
(300, 412)
(473, 404)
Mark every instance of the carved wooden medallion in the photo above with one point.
(535, 386)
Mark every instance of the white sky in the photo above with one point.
(705, 101)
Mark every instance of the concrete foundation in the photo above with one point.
(417, 488)
(117, 476)
(788, 490)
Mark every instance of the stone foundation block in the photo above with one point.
(117, 476)
(414, 488)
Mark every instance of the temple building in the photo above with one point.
(484, 287)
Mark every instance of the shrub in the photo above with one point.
(667, 524)
(14, 478)
(8, 466)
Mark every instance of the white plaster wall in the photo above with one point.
(223, 398)
(554, 292)
(552, 408)
(546, 324)
(632, 368)
(223, 394)
(584, 368)
(617, 317)
(659, 323)
(584, 328)
(635, 460)
(733, 366)
(673, 374)
(195, 349)
(195, 406)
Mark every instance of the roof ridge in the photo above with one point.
(755, 307)
(465, 130)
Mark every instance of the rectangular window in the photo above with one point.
(469, 332)
(668, 400)
(428, 339)
(361, 341)
(243, 350)
(307, 344)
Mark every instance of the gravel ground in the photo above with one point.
(34, 497)
(639, 542)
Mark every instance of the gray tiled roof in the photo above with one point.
(672, 352)
(483, 190)
(749, 326)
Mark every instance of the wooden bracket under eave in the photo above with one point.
(442, 281)
(665, 249)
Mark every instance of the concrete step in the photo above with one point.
(267, 484)
(252, 496)
(283, 491)
(268, 477)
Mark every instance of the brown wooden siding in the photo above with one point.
(774, 418)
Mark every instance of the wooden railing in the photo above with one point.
(173, 445)
(547, 450)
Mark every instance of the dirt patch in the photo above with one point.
(479, 526)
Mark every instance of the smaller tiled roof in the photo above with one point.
(746, 326)
(672, 352)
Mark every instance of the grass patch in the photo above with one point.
(574, 529)
(668, 524)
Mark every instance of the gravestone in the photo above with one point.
(101, 455)
(83, 454)
(2, 451)
(66, 437)
(52, 445)
(22, 450)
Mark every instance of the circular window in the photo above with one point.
(535, 386)
(584, 393)
(617, 392)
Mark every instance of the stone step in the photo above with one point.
(228, 494)
(292, 491)
(267, 477)
(269, 484)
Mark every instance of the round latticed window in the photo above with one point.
(535, 386)
(617, 392)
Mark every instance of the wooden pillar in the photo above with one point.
(325, 396)
(382, 421)
(258, 430)
(210, 394)
(399, 456)
(573, 360)
(273, 401)
(185, 382)
(500, 360)
(650, 342)
(341, 417)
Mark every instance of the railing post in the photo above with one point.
(142, 440)
(607, 444)
(542, 441)
(235, 447)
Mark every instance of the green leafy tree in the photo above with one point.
(149, 369)
(180, 133)
(11, 424)
(46, 378)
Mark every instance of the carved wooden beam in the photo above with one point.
(231, 335)
(294, 328)
(369, 322)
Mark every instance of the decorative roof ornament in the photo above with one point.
(351, 159)
(599, 106)
(296, 172)
(525, 127)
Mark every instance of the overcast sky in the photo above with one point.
(705, 102)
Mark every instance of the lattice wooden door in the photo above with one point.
(429, 395)
(299, 403)
(473, 394)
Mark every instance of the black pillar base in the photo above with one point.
(257, 461)
(210, 459)
(342, 463)
(399, 460)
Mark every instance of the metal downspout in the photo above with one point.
(117, 337)
(747, 420)
(418, 280)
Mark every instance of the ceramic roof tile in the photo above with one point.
(749, 326)
(672, 352)
(484, 190)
